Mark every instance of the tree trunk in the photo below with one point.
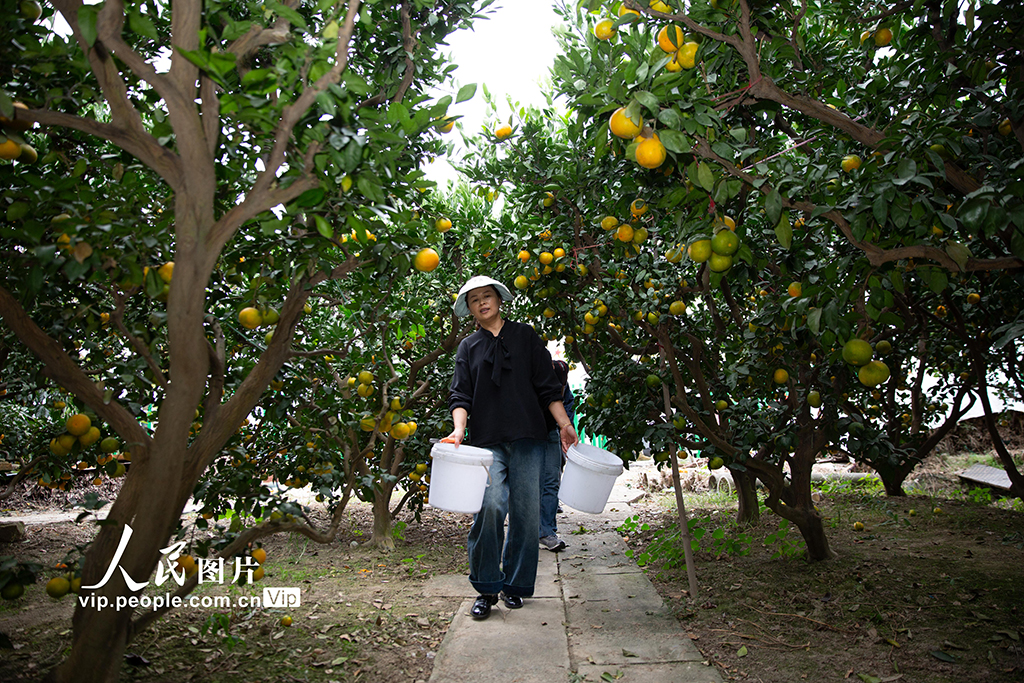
(813, 533)
(382, 537)
(892, 479)
(749, 510)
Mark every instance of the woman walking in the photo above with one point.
(503, 380)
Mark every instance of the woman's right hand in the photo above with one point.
(455, 437)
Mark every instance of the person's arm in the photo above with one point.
(460, 397)
(459, 417)
(566, 432)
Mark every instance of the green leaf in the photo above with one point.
(288, 13)
(87, 23)
(742, 652)
(814, 320)
(905, 172)
(773, 206)
(322, 226)
(705, 178)
(943, 656)
(141, 24)
(649, 100)
(938, 281)
(958, 253)
(784, 231)
(466, 92)
(675, 141)
(880, 209)
(973, 213)
(311, 198)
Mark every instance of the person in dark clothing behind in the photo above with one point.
(551, 472)
(503, 377)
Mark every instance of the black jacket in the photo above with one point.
(505, 383)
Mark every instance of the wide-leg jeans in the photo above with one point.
(496, 563)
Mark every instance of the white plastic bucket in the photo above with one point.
(589, 476)
(458, 477)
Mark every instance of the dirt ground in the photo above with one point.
(934, 596)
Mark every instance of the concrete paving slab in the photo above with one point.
(677, 672)
(603, 552)
(626, 637)
(631, 592)
(527, 645)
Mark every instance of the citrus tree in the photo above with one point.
(739, 138)
(188, 175)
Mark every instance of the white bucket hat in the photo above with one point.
(462, 308)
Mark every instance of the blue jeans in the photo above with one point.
(550, 478)
(496, 563)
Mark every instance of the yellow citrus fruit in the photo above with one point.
(448, 125)
(622, 126)
(727, 221)
(286, 621)
(400, 430)
(524, 256)
(851, 162)
(687, 55)
(166, 271)
(873, 373)
(605, 29)
(700, 251)
(659, 6)
(58, 587)
(559, 252)
(188, 563)
(365, 377)
(260, 555)
(28, 155)
(795, 289)
(638, 207)
(623, 11)
(973, 298)
(258, 574)
(677, 308)
(883, 37)
(864, 36)
(521, 282)
(1005, 127)
(546, 257)
(367, 424)
(719, 263)
(443, 224)
(725, 242)
(90, 437)
(426, 260)
(9, 149)
(780, 376)
(503, 132)
(624, 233)
(639, 235)
(12, 591)
(857, 352)
(650, 153)
(16, 123)
(814, 399)
(78, 424)
(609, 222)
(858, 526)
(670, 38)
(250, 318)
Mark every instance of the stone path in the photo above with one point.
(594, 613)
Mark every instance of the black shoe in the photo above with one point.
(512, 601)
(482, 606)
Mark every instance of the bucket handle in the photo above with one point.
(486, 467)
